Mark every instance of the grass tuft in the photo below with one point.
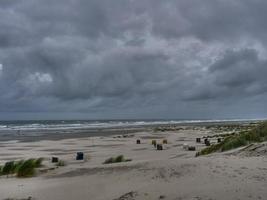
(117, 159)
(8, 168)
(21, 168)
(61, 163)
(27, 168)
(38, 162)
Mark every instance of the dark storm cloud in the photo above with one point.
(211, 20)
(135, 58)
(238, 73)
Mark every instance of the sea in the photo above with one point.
(22, 125)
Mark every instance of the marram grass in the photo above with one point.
(22, 168)
(117, 159)
(61, 163)
(257, 134)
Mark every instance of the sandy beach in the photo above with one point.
(172, 174)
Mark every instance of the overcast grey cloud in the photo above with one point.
(133, 59)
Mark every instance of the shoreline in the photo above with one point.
(59, 134)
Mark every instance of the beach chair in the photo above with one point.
(79, 156)
(191, 148)
(54, 159)
(159, 147)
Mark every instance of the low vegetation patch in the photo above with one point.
(8, 168)
(167, 128)
(220, 135)
(29, 198)
(232, 127)
(257, 134)
(27, 168)
(61, 163)
(117, 159)
(38, 162)
(22, 168)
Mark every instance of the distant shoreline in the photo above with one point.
(59, 134)
(81, 125)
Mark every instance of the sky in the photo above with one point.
(102, 59)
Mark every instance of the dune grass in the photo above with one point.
(257, 134)
(18, 164)
(61, 163)
(38, 162)
(165, 141)
(9, 168)
(117, 159)
(27, 168)
(22, 168)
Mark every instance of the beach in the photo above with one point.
(174, 173)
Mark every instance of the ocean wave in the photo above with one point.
(79, 124)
